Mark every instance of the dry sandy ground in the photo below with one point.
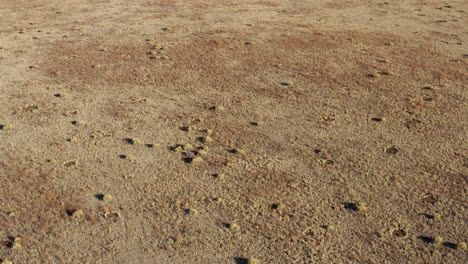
(233, 131)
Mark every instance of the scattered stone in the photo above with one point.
(391, 150)
(16, 243)
(356, 206)
(72, 140)
(259, 124)
(287, 84)
(77, 213)
(387, 73)
(178, 149)
(278, 207)
(428, 87)
(330, 228)
(205, 148)
(378, 119)
(436, 217)
(6, 261)
(218, 108)
(238, 151)
(462, 246)
(234, 227)
(202, 152)
(127, 157)
(61, 95)
(70, 163)
(188, 128)
(135, 141)
(6, 127)
(253, 261)
(158, 46)
(192, 211)
(78, 123)
(207, 139)
(438, 241)
(107, 197)
(187, 147)
(30, 108)
(399, 233)
(219, 176)
(34, 66)
(196, 160)
(361, 207)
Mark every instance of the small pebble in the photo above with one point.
(78, 123)
(218, 108)
(239, 151)
(178, 149)
(279, 206)
(187, 147)
(188, 128)
(462, 246)
(259, 124)
(197, 160)
(77, 213)
(387, 73)
(438, 240)
(16, 243)
(287, 84)
(107, 198)
(234, 227)
(135, 141)
(253, 261)
(192, 211)
(6, 127)
(61, 95)
(361, 207)
(129, 157)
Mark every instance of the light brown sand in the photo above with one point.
(338, 131)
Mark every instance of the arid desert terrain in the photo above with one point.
(233, 131)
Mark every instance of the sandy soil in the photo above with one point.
(274, 131)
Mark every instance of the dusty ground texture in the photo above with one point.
(329, 131)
